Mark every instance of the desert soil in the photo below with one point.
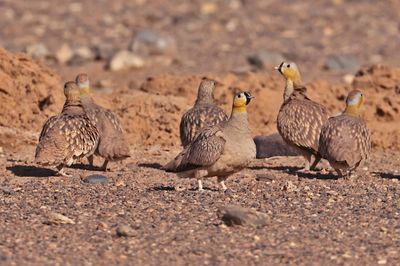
(311, 218)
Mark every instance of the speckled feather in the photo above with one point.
(198, 117)
(300, 120)
(67, 137)
(345, 139)
(112, 144)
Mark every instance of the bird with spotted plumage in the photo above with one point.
(300, 119)
(69, 136)
(204, 113)
(220, 150)
(112, 146)
(345, 139)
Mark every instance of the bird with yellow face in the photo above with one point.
(345, 139)
(300, 119)
(220, 150)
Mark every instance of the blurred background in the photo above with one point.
(328, 37)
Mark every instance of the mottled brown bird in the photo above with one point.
(219, 150)
(204, 113)
(345, 139)
(300, 119)
(113, 145)
(68, 136)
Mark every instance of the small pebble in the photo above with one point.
(96, 179)
(125, 231)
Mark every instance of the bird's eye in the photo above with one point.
(288, 66)
(240, 95)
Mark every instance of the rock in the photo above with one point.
(289, 187)
(237, 215)
(125, 59)
(147, 42)
(57, 218)
(37, 50)
(6, 190)
(209, 8)
(265, 177)
(263, 58)
(273, 145)
(341, 62)
(64, 54)
(103, 51)
(96, 179)
(81, 55)
(125, 231)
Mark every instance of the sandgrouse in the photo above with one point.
(68, 136)
(300, 119)
(112, 145)
(204, 113)
(345, 139)
(218, 150)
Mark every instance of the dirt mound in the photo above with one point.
(29, 93)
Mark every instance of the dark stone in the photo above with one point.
(342, 62)
(273, 145)
(236, 215)
(96, 179)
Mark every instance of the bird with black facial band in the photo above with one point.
(220, 150)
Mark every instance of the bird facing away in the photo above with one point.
(300, 119)
(218, 150)
(345, 139)
(68, 136)
(204, 113)
(113, 145)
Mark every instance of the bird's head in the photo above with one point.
(353, 102)
(290, 71)
(71, 91)
(206, 90)
(240, 101)
(82, 80)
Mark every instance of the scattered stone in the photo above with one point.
(96, 179)
(273, 145)
(37, 50)
(6, 190)
(81, 55)
(341, 62)
(209, 8)
(264, 177)
(103, 51)
(348, 78)
(64, 54)
(147, 42)
(125, 59)
(237, 215)
(57, 218)
(289, 187)
(263, 58)
(125, 231)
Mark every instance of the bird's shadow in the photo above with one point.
(151, 165)
(87, 167)
(386, 175)
(296, 171)
(31, 171)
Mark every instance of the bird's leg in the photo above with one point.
(104, 166)
(307, 157)
(200, 185)
(221, 180)
(61, 171)
(90, 159)
(339, 172)
(316, 161)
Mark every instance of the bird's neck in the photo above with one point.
(239, 120)
(352, 110)
(204, 98)
(289, 88)
(73, 106)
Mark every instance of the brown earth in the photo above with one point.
(311, 218)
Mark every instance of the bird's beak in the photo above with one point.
(276, 68)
